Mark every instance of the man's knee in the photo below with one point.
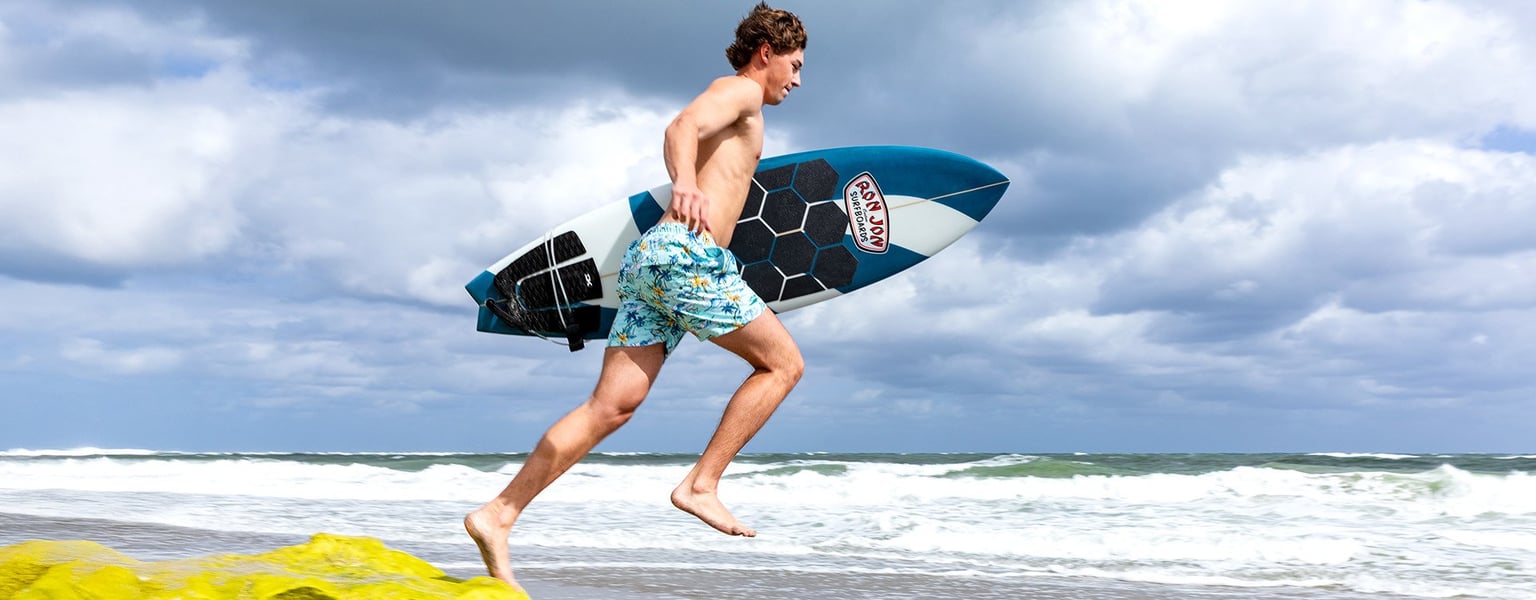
(614, 409)
(788, 368)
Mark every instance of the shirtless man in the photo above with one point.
(679, 278)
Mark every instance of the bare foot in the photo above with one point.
(485, 528)
(707, 507)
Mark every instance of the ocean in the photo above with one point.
(842, 526)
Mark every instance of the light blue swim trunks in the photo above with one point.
(673, 280)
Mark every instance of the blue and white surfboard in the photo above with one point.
(816, 225)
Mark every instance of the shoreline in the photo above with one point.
(162, 542)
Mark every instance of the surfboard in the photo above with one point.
(816, 225)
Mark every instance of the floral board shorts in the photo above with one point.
(673, 280)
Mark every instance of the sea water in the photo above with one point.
(1327, 525)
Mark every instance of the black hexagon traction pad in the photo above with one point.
(789, 238)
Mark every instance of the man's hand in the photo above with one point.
(690, 207)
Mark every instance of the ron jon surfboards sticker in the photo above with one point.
(868, 217)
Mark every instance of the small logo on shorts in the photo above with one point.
(868, 217)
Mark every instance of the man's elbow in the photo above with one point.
(682, 128)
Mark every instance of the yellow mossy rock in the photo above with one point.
(328, 567)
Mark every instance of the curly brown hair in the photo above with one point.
(780, 29)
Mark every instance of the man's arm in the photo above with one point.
(725, 102)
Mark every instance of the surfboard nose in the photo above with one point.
(978, 186)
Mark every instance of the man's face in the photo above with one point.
(783, 75)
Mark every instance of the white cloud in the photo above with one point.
(126, 361)
(128, 174)
(121, 182)
(1267, 73)
(1112, 109)
(413, 210)
(374, 353)
(155, 38)
(1291, 230)
(1337, 265)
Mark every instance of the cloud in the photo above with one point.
(216, 171)
(403, 62)
(106, 175)
(1253, 223)
(125, 361)
(334, 351)
(88, 47)
(1342, 272)
(1115, 109)
(1384, 223)
(413, 211)
(121, 183)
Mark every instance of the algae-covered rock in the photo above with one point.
(328, 567)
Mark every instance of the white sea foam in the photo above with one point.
(1382, 456)
(93, 451)
(1445, 490)
(1176, 543)
(246, 477)
(83, 451)
(1492, 539)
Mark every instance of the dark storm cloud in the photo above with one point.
(1103, 144)
(871, 78)
(404, 59)
(48, 267)
(45, 57)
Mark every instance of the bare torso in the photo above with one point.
(726, 162)
(726, 165)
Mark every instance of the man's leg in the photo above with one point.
(626, 378)
(777, 365)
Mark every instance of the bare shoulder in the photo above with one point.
(735, 85)
(736, 91)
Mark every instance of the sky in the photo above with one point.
(1233, 226)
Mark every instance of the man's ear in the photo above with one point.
(764, 51)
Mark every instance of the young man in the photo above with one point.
(679, 278)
